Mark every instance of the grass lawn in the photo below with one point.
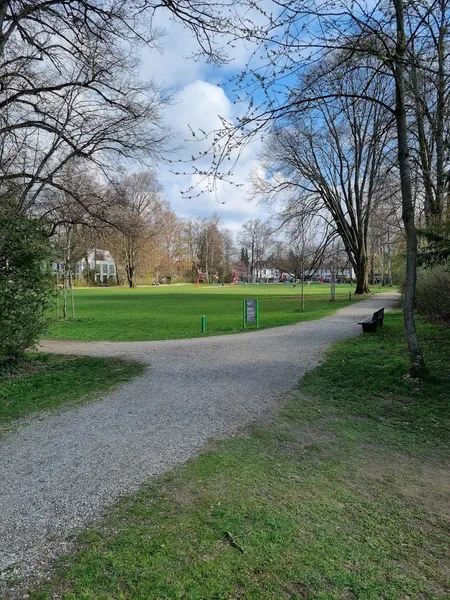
(44, 381)
(171, 312)
(344, 494)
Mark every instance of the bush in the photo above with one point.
(433, 294)
(26, 283)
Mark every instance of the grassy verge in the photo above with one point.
(344, 494)
(44, 381)
(165, 312)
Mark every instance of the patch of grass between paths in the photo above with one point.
(344, 494)
(44, 381)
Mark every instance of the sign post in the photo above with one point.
(250, 312)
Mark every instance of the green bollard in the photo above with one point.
(203, 324)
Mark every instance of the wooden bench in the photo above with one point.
(372, 322)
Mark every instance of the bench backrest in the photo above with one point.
(379, 314)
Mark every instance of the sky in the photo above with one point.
(200, 97)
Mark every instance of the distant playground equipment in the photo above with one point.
(234, 279)
(201, 276)
(286, 278)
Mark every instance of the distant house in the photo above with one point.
(268, 274)
(324, 274)
(102, 267)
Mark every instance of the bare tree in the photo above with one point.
(309, 239)
(167, 248)
(210, 247)
(70, 86)
(332, 159)
(254, 237)
(138, 213)
(429, 90)
(69, 90)
(303, 34)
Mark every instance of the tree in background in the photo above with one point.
(210, 248)
(301, 35)
(71, 87)
(428, 90)
(138, 213)
(254, 238)
(70, 90)
(228, 255)
(332, 159)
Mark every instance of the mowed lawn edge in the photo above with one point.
(159, 313)
(44, 382)
(344, 494)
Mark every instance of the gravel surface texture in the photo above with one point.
(59, 472)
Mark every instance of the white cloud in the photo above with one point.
(170, 67)
(198, 104)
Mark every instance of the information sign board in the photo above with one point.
(250, 310)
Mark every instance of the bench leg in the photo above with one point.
(369, 327)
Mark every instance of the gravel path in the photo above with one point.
(60, 472)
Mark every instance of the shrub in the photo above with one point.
(25, 283)
(433, 294)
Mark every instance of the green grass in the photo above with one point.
(171, 312)
(44, 381)
(344, 494)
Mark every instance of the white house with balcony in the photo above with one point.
(101, 266)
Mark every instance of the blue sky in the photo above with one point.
(198, 102)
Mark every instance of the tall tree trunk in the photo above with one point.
(130, 275)
(72, 296)
(129, 263)
(95, 266)
(303, 287)
(389, 266)
(440, 116)
(88, 270)
(117, 272)
(68, 270)
(362, 274)
(57, 296)
(333, 276)
(425, 158)
(416, 362)
(372, 266)
(64, 291)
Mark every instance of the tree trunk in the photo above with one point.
(416, 362)
(371, 270)
(88, 270)
(72, 297)
(130, 264)
(64, 292)
(303, 287)
(130, 275)
(117, 272)
(440, 116)
(362, 274)
(57, 297)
